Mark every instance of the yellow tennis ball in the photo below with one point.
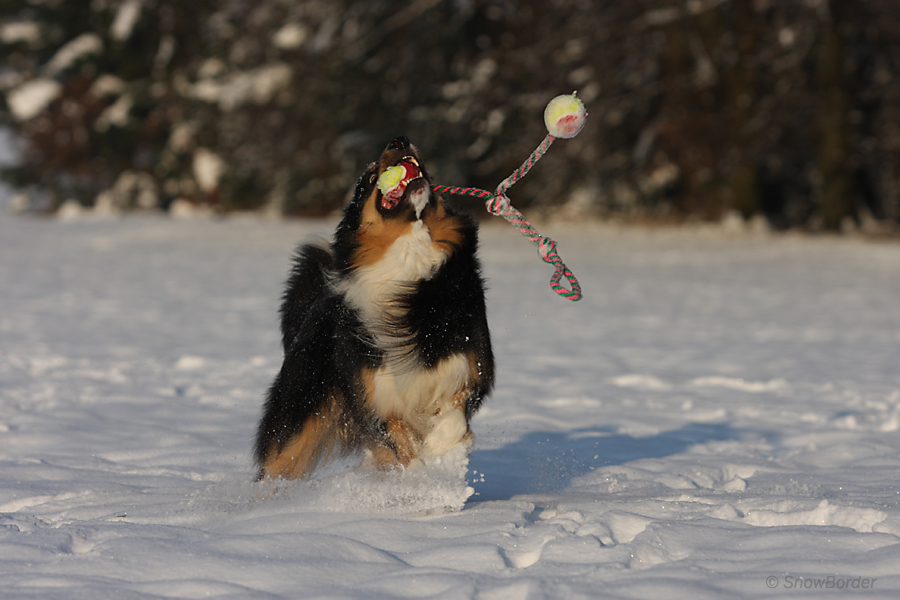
(565, 116)
(390, 179)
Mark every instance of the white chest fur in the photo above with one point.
(372, 288)
(423, 397)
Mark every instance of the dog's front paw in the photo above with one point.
(449, 429)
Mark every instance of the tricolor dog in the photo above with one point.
(385, 336)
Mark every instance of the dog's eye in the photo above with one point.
(372, 178)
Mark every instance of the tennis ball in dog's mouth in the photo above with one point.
(393, 181)
(390, 179)
(565, 116)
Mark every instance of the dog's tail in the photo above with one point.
(309, 277)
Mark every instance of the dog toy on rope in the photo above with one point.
(393, 180)
(564, 117)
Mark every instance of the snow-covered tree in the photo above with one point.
(698, 107)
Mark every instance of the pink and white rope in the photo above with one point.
(498, 204)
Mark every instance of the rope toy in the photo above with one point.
(564, 117)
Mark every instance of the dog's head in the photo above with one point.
(397, 186)
(379, 214)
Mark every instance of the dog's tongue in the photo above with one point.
(393, 181)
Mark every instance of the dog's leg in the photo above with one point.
(449, 426)
(400, 447)
(303, 451)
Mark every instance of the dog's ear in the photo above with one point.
(366, 183)
(354, 209)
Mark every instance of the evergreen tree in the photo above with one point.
(701, 107)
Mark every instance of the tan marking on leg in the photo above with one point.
(384, 458)
(315, 441)
(459, 400)
(368, 380)
(407, 444)
(406, 440)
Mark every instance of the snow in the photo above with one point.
(290, 37)
(20, 32)
(8, 158)
(73, 51)
(259, 86)
(32, 97)
(717, 418)
(116, 114)
(208, 168)
(126, 17)
(29, 99)
(108, 85)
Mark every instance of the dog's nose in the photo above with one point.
(401, 142)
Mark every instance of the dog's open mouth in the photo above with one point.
(394, 181)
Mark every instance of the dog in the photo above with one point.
(385, 335)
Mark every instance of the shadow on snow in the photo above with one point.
(543, 461)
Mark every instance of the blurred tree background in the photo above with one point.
(787, 109)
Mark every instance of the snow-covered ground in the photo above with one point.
(718, 418)
(8, 156)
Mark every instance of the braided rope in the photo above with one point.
(498, 204)
(526, 166)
